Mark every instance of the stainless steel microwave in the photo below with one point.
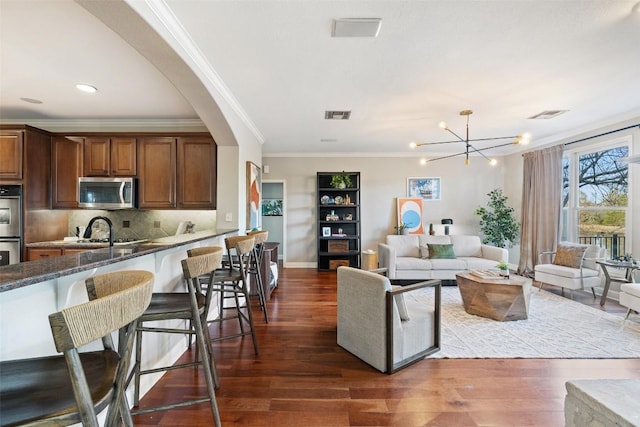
(107, 193)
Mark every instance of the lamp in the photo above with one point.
(519, 139)
(447, 222)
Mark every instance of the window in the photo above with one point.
(595, 197)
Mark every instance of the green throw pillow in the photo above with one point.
(441, 251)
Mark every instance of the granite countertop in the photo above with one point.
(28, 273)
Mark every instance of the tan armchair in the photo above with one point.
(382, 327)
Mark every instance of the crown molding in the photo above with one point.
(171, 23)
(113, 125)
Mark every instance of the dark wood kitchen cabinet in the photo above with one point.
(25, 158)
(157, 173)
(177, 172)
(42, 253)
(11, 142)
(66, 168)
(197, 176)
(105, 156)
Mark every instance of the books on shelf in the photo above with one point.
(488, 274)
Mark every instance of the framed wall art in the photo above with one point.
(410, 214)
(271, 207)
(254, 196)
(427, 188)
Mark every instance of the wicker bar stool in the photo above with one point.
(231, 282)
(64, 390)
(191, 306)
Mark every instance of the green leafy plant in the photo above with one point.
(502, 265)
(341, 180)
(401, 229)
(497, 223)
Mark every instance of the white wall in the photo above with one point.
(464, 188)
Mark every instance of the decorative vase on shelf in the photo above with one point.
(431, 232)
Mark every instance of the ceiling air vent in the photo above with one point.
(337, 115)
(548, 114)
(356, 27)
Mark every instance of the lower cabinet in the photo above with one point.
(41, 253)
(34, 254)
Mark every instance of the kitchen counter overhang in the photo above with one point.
(16, 276)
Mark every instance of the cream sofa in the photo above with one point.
(406, 257)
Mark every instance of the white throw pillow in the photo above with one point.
(405, 245)
(400, 304)
(467, 245)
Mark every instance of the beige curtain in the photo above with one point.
(541, 198)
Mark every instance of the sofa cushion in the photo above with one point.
(561, 270)
(467, 245)
(405, 245)
(448, 264)
(441, 251)
(411, 263)
(569, 254)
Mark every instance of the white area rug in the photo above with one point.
(557, 327)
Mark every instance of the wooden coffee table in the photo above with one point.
(497, 299)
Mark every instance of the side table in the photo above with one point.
(605, 265)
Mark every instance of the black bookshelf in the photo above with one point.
(338, 229)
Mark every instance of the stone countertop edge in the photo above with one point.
(23, 274)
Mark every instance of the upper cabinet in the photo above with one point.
(104, 156)
(11, 142)
(66, 168)
(174, 172)
(177, 172)
(157, 173)
(25, 157)
(197, 173)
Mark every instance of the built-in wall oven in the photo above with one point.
(10, 224)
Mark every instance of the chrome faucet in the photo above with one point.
(87, 233)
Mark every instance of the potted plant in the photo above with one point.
(504, 268)
(341, 180)
(497, 223)
(402, 228)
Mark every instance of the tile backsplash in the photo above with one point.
(141, 224)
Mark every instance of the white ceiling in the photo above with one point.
(506, 60)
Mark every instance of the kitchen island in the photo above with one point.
(30, 291)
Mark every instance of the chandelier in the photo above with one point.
(469, 148)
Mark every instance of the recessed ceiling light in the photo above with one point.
(86, 88)
(31, 100)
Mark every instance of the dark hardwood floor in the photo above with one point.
(302, 378)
